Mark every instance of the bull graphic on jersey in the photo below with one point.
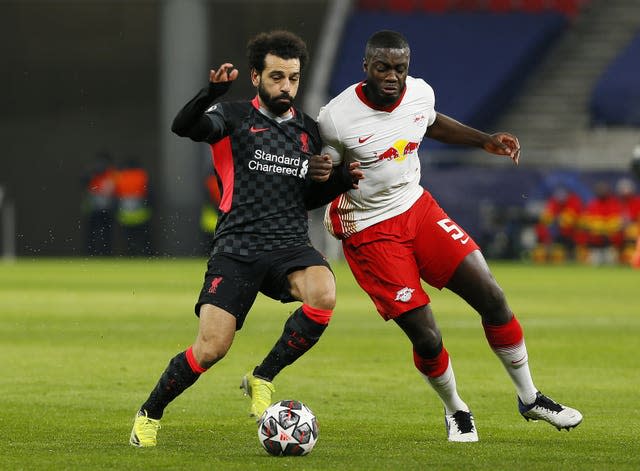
(400, 150)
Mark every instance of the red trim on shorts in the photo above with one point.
(193, 364)
(321, 316)
(503, 336)
(222, 158)
(432, 367)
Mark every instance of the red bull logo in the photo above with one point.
(401, 150)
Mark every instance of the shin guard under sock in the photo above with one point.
(182, 372)
(438, 373)
(301, 332)
(507, 342)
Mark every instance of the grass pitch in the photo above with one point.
(84, 341)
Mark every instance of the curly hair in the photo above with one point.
(283, 44)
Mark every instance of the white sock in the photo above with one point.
(515, 360)
(445, 386)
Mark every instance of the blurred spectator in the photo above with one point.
(635, 168)
(630, 200)
(99, 205)
(601, 226)
(556, 229)
(209, 213)
(134, 210)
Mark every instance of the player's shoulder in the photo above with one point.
(241, 107)
(419, 87)
(344, 98)
(339, 106)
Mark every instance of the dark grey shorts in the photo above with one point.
(232, 282)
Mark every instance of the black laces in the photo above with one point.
(463, 421)
(546, 403)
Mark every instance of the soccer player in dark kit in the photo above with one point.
(265, 154)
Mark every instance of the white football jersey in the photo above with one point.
(385, 141)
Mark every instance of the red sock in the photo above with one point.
(504, 336)
(321, 316)
(193, 364)
(432, 367)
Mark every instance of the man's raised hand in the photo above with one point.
(225, 73)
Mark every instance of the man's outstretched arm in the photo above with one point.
(450, 131)
(191, 121)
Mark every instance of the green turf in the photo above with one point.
(83, 342)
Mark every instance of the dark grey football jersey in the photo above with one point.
(262, 167)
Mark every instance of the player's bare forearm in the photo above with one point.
(448, 130)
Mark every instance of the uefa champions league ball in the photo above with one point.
(288, 428)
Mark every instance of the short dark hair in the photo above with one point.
(283, 44)
(386, 39)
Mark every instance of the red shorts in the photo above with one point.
(388, 259)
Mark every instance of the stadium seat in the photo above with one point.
(501, 6)
(450, 51)
(616, 97)
(433, 6)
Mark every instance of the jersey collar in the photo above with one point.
(370, 104)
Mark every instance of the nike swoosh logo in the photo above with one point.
(518, 361)
(364, 139)
(254, 129)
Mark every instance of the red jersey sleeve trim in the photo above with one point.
(223, 163)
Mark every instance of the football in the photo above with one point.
(288, 428)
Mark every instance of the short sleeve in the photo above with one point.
(329, 134)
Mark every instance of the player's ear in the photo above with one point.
(255, 77)
(364, 64)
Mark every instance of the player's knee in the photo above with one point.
(208, 354)
(325, 299)
(495, 309)
(210, 357)
(321, 296)
(428, 344)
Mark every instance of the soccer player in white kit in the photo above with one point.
(394, 233)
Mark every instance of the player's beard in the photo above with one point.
(376, 95)
(277, 105)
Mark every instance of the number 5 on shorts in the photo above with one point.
(453, 230)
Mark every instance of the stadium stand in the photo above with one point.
(463, 55)
(566, 7)
(616, 96)
(506, 201)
